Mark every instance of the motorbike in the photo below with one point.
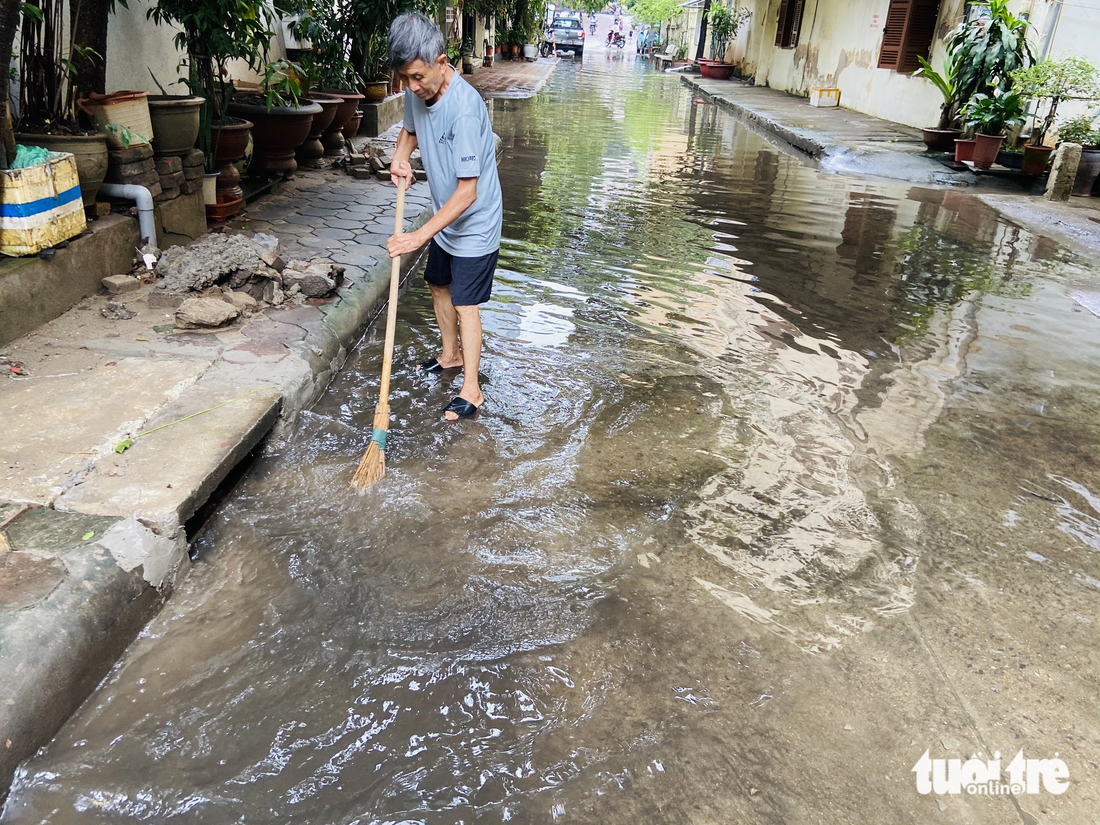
(619, 41)
(592, 27)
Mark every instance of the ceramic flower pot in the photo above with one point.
(940, 140)
(333, 137)
(175, 121)
(1036, 159)
(229, 139)
(717, 71)
(964, 149)
(312, 148)
(986, 148)
(276, 132)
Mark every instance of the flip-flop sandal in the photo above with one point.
(434, 367)
(461, 407)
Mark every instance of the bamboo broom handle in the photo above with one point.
(391, 315)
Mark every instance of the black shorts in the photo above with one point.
(470, 279)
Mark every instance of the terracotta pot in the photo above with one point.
(964, 149)
(375, 91)
(333, 137)
(986, 148)
(91, 157)
(276, 132)
(312, 148)
(717, 71)
(351, 128)
(515, 50)
(940, 140)
(1036, 159)
(226, 207)
(230, 140)
(175, 120)
(1088, 170)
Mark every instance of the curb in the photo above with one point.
(54, 652)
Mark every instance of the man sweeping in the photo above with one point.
(446, 118)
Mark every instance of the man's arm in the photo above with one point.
(462, 199)
(399, 168)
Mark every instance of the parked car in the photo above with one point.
(568, 32)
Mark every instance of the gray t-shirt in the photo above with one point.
(456, 141)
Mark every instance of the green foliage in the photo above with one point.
(724, 24)
(125, 136)
(1055, 81)
(947, 83)
(213, 32)
(988, 49)
(281, 84)
(993, 114)
(1080, 129)
(655, 12)
(327, 64)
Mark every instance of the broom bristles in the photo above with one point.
(372, 467)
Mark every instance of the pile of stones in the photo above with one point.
(376, 163)
(220, 277)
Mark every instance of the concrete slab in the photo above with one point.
(168, 474)
(56, 427)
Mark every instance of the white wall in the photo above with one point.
(135, 46)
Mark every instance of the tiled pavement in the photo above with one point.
(513, 78)
(327, 213)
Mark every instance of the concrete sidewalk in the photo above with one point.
(847, 142)
(513, 79)
(92, 540)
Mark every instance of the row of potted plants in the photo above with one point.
(989, 77)
(724, 23)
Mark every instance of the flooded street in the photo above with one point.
(783, 479)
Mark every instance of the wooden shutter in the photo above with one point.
(796, 22)
(893, 35)
(910, 29)
(781, 23)
(919, 33)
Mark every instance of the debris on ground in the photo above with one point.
(375, 162)
(116, 311)
(316, 278)
(195, 313)
(203, 263)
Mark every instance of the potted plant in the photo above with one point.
(724, 24)
(989, 116)
(47, 113)
(468, 56)
(942, 137)
(211, 33)
(1082, 130)
(987, 48)
(281, 117)
(1052, 81)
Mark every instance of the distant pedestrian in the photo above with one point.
(446, 118)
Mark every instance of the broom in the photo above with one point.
(373, 465)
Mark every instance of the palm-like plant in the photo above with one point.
(948, 85)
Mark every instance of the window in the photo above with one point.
(790, 21)
(910, 28)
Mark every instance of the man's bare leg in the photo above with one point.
(469, 321)
(447, 319)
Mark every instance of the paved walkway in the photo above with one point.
(513, 78)
(90, 539)
(842, 140)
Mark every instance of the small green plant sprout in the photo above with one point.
(124, 135)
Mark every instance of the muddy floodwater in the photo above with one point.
(783, 479)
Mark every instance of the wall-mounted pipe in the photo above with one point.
(144, 199)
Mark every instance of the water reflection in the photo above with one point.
(713, 374)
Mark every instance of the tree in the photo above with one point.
(9, 21)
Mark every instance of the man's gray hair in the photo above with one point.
(414, 36)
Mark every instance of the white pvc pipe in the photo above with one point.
(144, 199)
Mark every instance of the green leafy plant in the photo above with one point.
(211, 33)
(281, 85)
(993, 114)
(947, 83)
(724, 24)
(988, 48)
(125, 136)
(327, 64)
(1081, 129)
(1070, 77)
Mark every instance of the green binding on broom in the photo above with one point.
(373, 465)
